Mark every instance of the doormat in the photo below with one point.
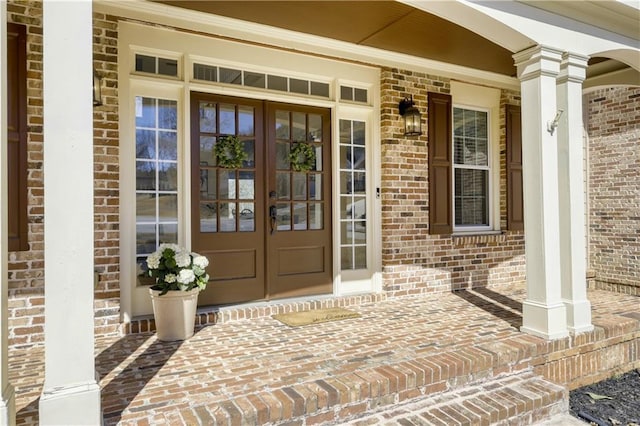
(315, 316)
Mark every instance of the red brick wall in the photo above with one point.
(613, 126)
(413, 260)
(26, 269)
(106, 176)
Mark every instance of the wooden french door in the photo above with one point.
(265, 227)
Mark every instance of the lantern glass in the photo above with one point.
(412, 122)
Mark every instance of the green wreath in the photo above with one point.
(229, 152)
(302, 157)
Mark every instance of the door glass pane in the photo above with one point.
(358, 158)
(146, 207)
(167, 176)
(315, 128)
(208, 184)
(283, 216)
(227, 119)
(315, 216)
(227, 184)
(207, 117)
(282, 156)
(283, 191)
(145, 175)
(359, 183)
(167, 114)
(345, 157)
(318, 167)
(145, 238)
(227, 217)
(247, 217)
(168, 233)
(300, 216)
(167, 146)
(245, 121)
(250, 149)
(168, 207)
(145, 112)
(299, 124)
(283, 130)
(346, 257)
(299, 186)
(346, 236)
(358, 132)
(247, 185)
(208, 222)
(207, 157)
(145, 144)
(315, 186)
(360, 257)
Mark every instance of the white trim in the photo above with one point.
(484, 99)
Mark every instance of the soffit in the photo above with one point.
(387, 25)
(615, 16)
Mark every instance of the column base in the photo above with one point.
(73, 405)
(8, 407)
(578, 316)
(542, 320)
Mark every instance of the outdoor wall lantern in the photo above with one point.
(412, 117)
(97, 89)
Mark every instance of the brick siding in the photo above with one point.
(413, 260)
(613, 126)
(26, 268)
(106, 150)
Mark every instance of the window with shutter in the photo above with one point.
(17, 136)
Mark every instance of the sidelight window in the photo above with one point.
(353, 200)
(156, 175)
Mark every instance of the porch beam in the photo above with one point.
(544, 313)
(7, 395)
(71, 394)
(572, 192)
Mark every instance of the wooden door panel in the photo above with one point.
(299, 261)
(227, 214)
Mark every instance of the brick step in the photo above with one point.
(520, 399)
(476, 393)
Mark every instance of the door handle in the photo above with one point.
(273, 217)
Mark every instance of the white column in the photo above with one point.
(71, 394)
(7, 396)
(572, 193)
(543, 312)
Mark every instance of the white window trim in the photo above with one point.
(486, 99)
(488, 167)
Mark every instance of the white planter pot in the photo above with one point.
(175, 313)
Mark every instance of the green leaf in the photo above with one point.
(597, 397)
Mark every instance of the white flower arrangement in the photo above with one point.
(177, 269)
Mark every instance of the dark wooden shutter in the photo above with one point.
(17, 136)
(515, 203)
(440, 163)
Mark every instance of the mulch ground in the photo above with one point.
(611, 402)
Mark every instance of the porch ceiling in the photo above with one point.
(387, 25)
